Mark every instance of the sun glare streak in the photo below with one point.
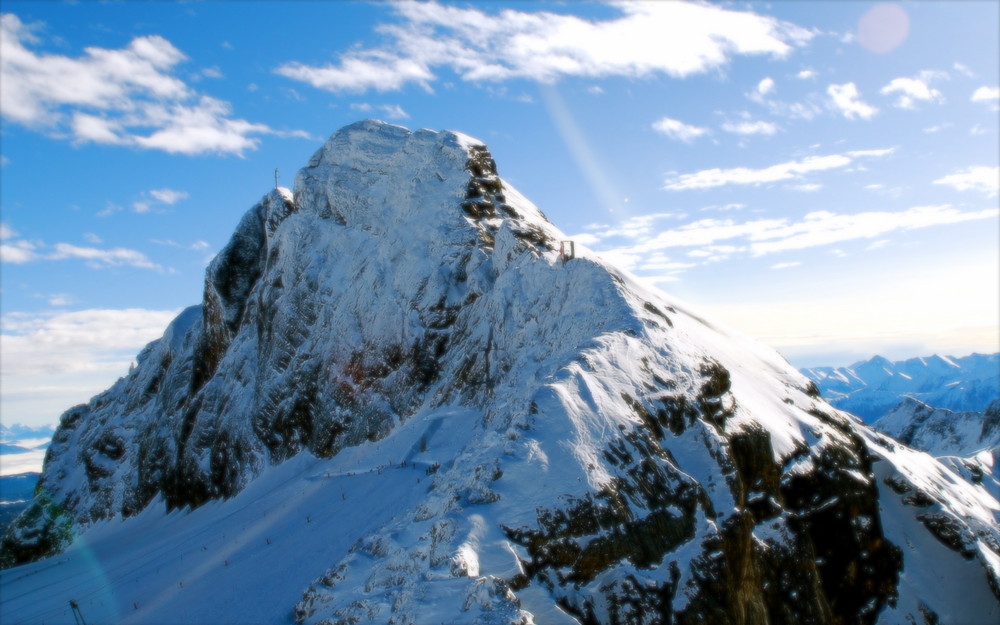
(593, 171)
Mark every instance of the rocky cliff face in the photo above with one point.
(591, 451)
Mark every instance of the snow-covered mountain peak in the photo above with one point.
(420, 191)
(483, 430)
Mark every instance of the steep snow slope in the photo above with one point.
(942, 432)
(871, 388)
(968, 442)
(400, 399)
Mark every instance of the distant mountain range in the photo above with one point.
(14, 433)
(871, 388)
(22, 451)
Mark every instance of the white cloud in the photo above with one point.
(985, 179)
(648, 38)
(6, 232)
(986, 94)
(710, 178)
(788, 265)
(129, 96)
(765, 86)
(750, 128)
(806, 74)
(911, 90)
(678, 130)
(847, 100)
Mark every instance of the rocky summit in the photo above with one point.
(406, 397)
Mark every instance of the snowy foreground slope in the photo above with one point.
(398, 404)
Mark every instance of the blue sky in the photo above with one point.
(823, 176)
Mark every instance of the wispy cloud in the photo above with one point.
(711, 240)
(129, 96)
(846, 99)
(648, 38)
(710, 178)
(678, 130)
(985, 179)
(750, 128)
(154, 197)
(390, 111)
(20, 251)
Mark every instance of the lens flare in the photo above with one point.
(883, 28)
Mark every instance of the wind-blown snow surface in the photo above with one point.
(397, 403)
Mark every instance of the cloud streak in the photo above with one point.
(649, 38)
(678, 130)
(711, 240)
(716, 177)
(984, 179)
(21, 251)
